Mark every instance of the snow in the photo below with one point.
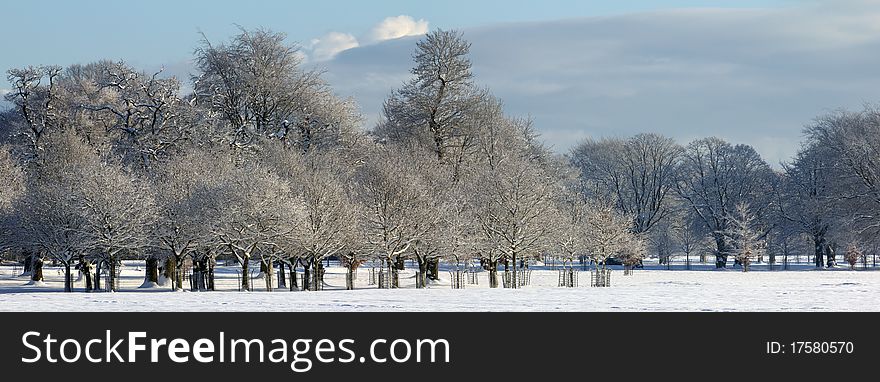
(652, 289)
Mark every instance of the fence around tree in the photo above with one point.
(523, 278)
(568, 278)
(600, 277)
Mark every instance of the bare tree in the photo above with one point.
(608, 233)
(433, 109)
(147, 119)
(118, 209)
(851, 176)
(393, 195)
(715, 177)
(514, 207)
(636, 174)
(257, 84)
(743, 238)
(808, 195)
(35, 101)
(329, 226)
(255, 215)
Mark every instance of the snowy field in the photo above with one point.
(652, 289)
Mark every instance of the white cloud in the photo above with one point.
(330, 44)
(397, 27)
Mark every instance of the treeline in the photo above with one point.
(262, 162)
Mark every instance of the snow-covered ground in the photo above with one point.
(650, 289)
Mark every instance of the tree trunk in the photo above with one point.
(245, 276)
(829, 256)
(28, 266)
(493, 274)
(434, 269)
(170, 271)
(98, 267)
(318, 275)
(266, 270)
(293, 280)
(152, 273)
(349, 277)
(112, 282)
(211, 263)
(178, 272)
(307, 277)
(721, 255)
(818, 252)
(88, 275)
(282, 277)
(388, 282)
(195, 279)
(68, 277)
(422, 276)
(514, 282)
(395, 273)
(37, 270)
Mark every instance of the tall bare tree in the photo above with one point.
(715, 177)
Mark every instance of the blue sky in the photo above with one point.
(751, 72)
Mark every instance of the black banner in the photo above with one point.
(463, 346)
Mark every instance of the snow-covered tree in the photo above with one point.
(744, 238)
(434, 109)
(608, 233)
(142, 114)
(808, 196)
(848, 145)
(393, 196)
(185, 218)
(853, 255)
(255, 215)
(257, 83)
(636, 174)
(14, 181)
(329, 221)
(34, 97)
(715, 177)
(514, 206)
(118, 210)
(48, 219)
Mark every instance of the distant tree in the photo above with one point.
(637, 175)
(715, 177)
(809, 194)
(744, 240)
(608, 233)
(853, 255)
(848, 145)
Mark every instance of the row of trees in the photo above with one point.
(264, 163)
